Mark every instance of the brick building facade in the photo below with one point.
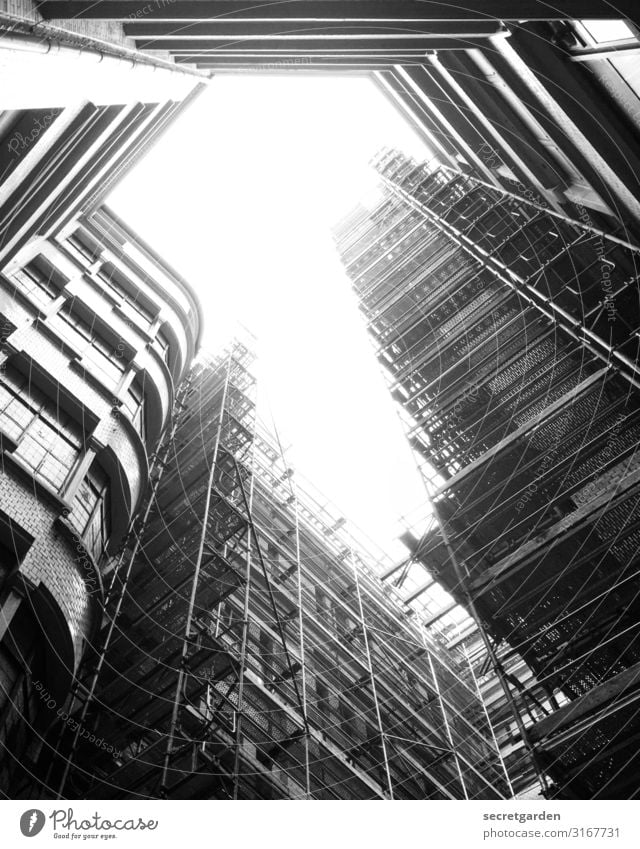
(97, 331)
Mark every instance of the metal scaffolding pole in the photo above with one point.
(575, 222)
(172, 427)
(472, 610)
(495, 663)
(243, 647)
(303, 671)
(372, 676)
(446, 720)
(274, 607)
(184, 659)
(544, 305)
(490, 724)
(293, 489)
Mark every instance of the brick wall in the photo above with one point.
(52, 559)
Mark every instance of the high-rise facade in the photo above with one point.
(236, 642)
(178, 619)
(509, 334)
(96, 330)
(96, 333)
(513, 94)
(75, 115)
(250, 650)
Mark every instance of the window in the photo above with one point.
(128, 295)
(156, 272)
(47, 452)
(90, 514)
(134, 404)
(109, 277)
(161, 344)
(48, 441)
(40, 280)
(88, 341)
(137, 313)
(83, 247)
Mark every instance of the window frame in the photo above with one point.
(42, 412)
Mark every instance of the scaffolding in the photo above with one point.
(256, 654)
(510, 336)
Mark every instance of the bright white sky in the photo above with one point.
(239, 196)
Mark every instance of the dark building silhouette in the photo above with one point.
(510, 337)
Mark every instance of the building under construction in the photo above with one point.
(202, 624)
(250, 650)
(177, 618)
(509, 334)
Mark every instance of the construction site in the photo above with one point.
(251, 651)
(252, 644)
(182, 614)
(509, 335)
